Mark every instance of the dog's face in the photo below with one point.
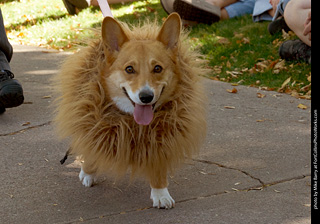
(142, 72)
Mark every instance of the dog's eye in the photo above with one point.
(129, 70)
(157, 69)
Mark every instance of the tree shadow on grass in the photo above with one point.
(34, 21)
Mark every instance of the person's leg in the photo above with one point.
(199, 11)
(263, 10)
(5, 47)
(11, 93)
(239, 8)
(295, 15)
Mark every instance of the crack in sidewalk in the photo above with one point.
(25, 129)
(230, 168)
(259, 187)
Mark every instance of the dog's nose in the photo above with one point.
(146, 96)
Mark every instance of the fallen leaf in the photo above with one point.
(150, 9)
(234, 90)
(273, 64)
(215, 78)
(229, 107)
(222, 40)
(262, 65)
(26, 123)
(295, 94)
(286, 35)
(238, 35)
(234, 74)
(260, 95)
(46, 97)
(246, 40)
(284, 84)
(217, 69)
(302, 106)
(280, 65)
(244, 69)
(276, 71)
(228, 64)
(21, 34)
(309, 78)
(305, 88)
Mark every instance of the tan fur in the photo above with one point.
(108, 139)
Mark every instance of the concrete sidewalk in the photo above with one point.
(253, 168)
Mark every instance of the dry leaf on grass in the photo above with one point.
(284, 84)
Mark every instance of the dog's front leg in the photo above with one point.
(159, 191)
(161, 198)
(86, 175)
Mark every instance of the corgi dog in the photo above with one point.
(133, 101)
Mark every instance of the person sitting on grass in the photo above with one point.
(208, 11)
(300, 24)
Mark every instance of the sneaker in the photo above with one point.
(197, 10)
(11, 92)
(295, 50)
(278, 25)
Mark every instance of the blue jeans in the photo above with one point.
(240, 8)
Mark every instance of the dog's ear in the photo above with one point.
(112, 34)
(170, 31)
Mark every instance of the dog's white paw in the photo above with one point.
(86, 179)
(161, 198)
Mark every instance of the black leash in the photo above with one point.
(65, 156)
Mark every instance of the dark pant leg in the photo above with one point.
(6, 50)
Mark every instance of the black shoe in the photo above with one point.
(2, 109)
(295, 50)
(11, 92)
(278, 25)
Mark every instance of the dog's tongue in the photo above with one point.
(143, 114)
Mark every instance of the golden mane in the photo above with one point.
(111, 140)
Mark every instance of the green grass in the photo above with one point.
(238, 50)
